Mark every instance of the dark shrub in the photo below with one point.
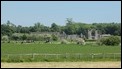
(54, 37)
(112, 40)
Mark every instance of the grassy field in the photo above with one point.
(18, 48)
(9, 48)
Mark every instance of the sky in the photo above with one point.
(27, 13)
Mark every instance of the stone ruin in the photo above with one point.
(94, 34)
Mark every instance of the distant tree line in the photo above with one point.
(71, 27)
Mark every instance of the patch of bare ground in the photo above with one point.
(62, 65)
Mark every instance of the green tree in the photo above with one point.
(38, 26)
(15, 37)
(54, 28)
(8, 29)
(24, 37)
(54, 37)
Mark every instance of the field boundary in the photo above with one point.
(78, 56)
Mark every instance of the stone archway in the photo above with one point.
(93, 34)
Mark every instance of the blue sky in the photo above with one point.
(26, 13)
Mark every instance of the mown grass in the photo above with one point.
(18, 48)
(9, 48)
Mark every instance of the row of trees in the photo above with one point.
(30, 37)
(71, 27)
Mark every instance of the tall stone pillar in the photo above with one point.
(96, 34)
(89, 34)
